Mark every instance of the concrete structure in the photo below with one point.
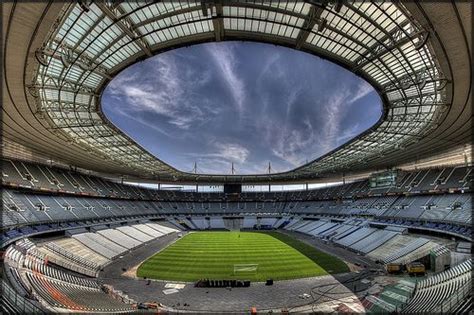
(59, 57)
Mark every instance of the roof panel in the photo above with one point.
(375, 39)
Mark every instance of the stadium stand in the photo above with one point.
(280, 222)
(407, 249)
(28, 266)
(55, 289)
(201, 223)
(13, 303)
(449, 213)
(267, 222)
(148, 230)
(163, 227)
(457, 179)
(57, 255)
(100, 244)
(369, 225)
(356, 236)
(376, 239)
(391, 246)
(67, 213)
(135, 233)
(119, 238)
(443, 292)
(322, 228)
(216, 223)
(78, 199)
(249, 222)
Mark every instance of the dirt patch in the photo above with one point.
(132, 272)
(353, 267)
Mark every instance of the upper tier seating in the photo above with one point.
(53, 178)
(451, 213)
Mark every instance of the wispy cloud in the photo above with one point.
(221, 156)
(165, 91)
(336, 108)
(302, 143)
(247, 104)
(271, 68)
(231, 152)
(145, 122)
(293, 144)
(363, 90)
(227, 63)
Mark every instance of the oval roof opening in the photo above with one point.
(244, 104)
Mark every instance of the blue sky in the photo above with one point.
(247, 103)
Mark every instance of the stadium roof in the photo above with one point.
(58, 58)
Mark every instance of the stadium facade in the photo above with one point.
(63, 161)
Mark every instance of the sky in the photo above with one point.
(239, 102)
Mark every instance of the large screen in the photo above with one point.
(383, 179)
(232, 188)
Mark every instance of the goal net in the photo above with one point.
(245, 269)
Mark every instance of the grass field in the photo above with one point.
(213, 255)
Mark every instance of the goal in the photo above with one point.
(245, 269)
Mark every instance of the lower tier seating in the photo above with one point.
(407, 249)
(73, 246)
(443, 292)
(74, 297)
(100, 244)
(56, 289)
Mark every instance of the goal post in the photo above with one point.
(246, 269)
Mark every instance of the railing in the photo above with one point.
(455, 300)
(82, 222)
(22, 305)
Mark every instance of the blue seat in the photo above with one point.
(13, 233)
(42, 228)
(27, 230)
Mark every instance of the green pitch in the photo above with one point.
(213, 255)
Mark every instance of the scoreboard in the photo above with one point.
(383, 179)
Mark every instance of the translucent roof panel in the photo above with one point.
(378, 41)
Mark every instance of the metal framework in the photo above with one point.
(90, 43)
